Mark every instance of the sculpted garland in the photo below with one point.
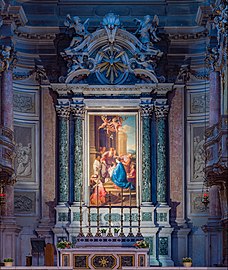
(110, 54)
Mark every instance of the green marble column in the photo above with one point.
(63, 155)
(146, 154)
(161, 113)
(78, 114)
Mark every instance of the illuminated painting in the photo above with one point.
(112, 159)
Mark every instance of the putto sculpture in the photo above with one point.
(111, 54)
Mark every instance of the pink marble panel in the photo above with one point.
(176, 134)
(49, 154)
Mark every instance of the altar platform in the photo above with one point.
(103, 257)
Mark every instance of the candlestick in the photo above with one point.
(139, 215)
(98, 234)
(81, 234)
(89, 234)
(121, 221)
(109, 217)
(130, 234)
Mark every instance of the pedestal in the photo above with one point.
(164, 247)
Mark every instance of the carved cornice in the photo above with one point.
(67, 89)
(161, 111)
(14, 14)
(35, 36)
(187, 36)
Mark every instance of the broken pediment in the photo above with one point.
(111, 54)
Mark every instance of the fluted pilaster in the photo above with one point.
(161, 113)
(63, 113)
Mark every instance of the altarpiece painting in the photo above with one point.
(112, 159)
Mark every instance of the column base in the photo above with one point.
(62, 215)
(44, 230)
(180, 244)
(162, 215)
(164, 246)
(9, 232)
(166, 261)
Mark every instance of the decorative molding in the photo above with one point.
(34, 36)
(199, 103)
(24, 202)
(63, 90)
(189, 36)
(196, 205)
(24, 103)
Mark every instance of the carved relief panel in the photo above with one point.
(25, 152)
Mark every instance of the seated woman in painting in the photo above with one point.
(119, 176)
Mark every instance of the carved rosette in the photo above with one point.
(78, 114)
(146, 111)
(161, 113)
(63, 167)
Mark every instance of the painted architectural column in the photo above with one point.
(146, 111)
(63, 113)
(161, 112)
(215, 97)
(78, 114)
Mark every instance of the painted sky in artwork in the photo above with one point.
(129, 127)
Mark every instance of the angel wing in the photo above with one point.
(155, 20)
(86, 23)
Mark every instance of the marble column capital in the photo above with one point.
(63, 111)
(161, 111)
(146, 110)
(7, 58)
(77, 110)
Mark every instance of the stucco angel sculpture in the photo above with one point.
(79, 28)
(147, 30)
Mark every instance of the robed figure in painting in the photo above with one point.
(119, 176)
